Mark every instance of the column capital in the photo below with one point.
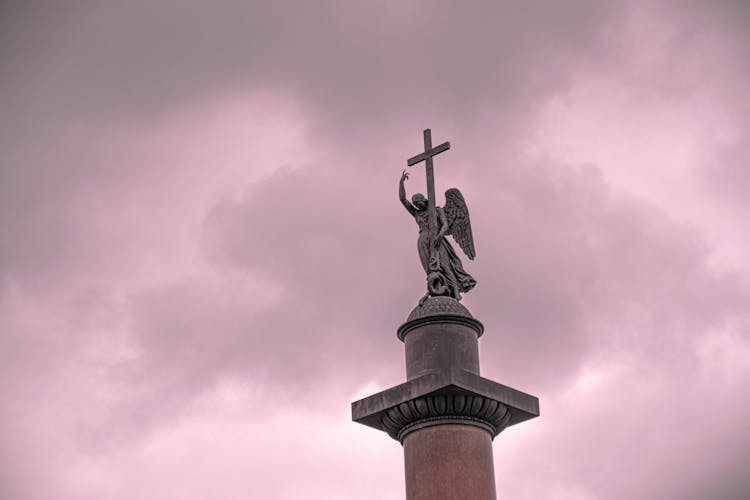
(451, 396)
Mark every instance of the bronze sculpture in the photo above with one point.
(443, 267)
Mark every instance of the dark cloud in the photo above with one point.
(379, 61)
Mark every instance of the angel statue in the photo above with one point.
(445, 273)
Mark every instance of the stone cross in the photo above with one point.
(426, 157)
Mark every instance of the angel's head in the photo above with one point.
(419, 201)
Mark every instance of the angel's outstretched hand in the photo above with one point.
(404, 175)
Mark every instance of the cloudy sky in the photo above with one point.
(203, 260)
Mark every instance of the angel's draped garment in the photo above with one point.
(450, 264)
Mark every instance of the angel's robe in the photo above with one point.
(450, 264)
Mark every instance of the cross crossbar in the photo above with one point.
(432, 152)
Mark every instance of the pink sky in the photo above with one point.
(203, 260)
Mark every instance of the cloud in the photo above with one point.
(203, 258)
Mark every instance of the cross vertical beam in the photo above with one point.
(426, 157)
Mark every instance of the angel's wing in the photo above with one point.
(459, 224)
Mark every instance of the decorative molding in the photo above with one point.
(444, 310)
(438, 306)
(445, 408)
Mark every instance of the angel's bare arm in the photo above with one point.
(402, 195)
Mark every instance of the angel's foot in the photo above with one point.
(422, 300)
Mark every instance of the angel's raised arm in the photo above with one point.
(402, 195)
